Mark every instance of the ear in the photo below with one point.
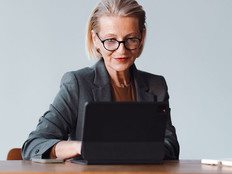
(144, 35)
(96, 42)
(94, 38)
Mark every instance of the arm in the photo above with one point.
(170, 141)
(56, 124)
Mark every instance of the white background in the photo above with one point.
(189, 42)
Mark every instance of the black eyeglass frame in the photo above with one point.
(119, 42)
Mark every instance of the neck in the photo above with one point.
(120, 78)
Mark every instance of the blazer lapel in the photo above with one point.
(102, 93)
(144, 95)
(142, 89)
(101, 90)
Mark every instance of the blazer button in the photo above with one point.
(37, 151)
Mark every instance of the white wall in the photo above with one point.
(188, 41)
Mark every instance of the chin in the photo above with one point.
(121, 67)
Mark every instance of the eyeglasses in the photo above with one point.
(113, 44)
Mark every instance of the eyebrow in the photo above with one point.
(114, 35)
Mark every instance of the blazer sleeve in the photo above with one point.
(57, 123)
(170, 141)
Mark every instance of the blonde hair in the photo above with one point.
(126, 8)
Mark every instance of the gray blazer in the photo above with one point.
(64, 118)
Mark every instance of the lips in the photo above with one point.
(121, 59)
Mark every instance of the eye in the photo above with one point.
(132, 40)
(111, 40)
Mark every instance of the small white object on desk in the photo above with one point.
(222, 162)
(38, 160)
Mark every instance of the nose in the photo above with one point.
(121, 47)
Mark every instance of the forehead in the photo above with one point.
(118, 25)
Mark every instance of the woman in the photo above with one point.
(116, 33)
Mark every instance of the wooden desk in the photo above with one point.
(169, 167)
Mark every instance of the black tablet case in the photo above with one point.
(123, 133)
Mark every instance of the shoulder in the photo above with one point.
(152, 79)
(150, 76)
(78, 75)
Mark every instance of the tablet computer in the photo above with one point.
(123, 133)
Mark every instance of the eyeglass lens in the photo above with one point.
(130, 44)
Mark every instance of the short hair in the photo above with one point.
(125, 8)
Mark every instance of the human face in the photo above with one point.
(119, 28)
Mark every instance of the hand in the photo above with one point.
(67, 149)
